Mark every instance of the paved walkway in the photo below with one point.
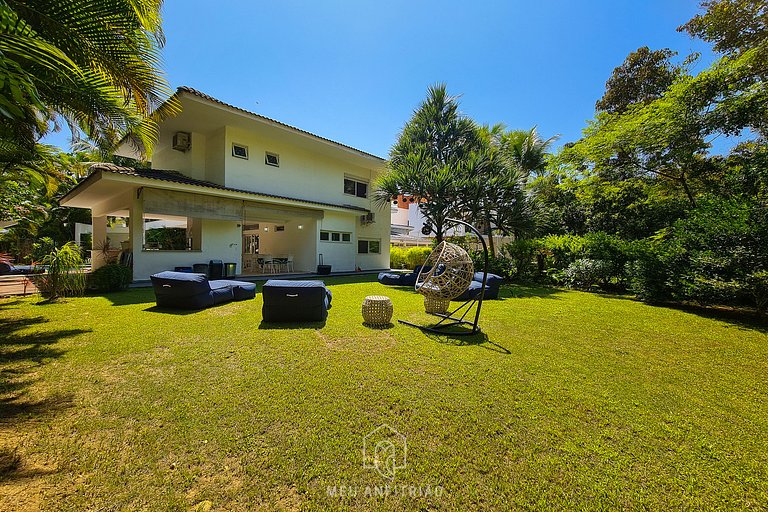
(16, 285)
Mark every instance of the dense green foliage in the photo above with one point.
(92, 66)
(407, 257)
(167, 239)
(92, 63)
(64, 276)
(639, 203)
(110, 278)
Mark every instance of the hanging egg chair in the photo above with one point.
(446, 273)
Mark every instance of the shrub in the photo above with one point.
(111, 278)
(757, 283)
(584, 273)
(654, 275)
(556, 254)
(396, 257)
(416, 256)
(64, 277)
(498, 265)
(521, 254)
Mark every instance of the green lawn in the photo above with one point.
(569, 401)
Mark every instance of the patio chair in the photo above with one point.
(267, 263)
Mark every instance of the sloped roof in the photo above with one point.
(177, 177)
(195, 92)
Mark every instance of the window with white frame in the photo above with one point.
(335, 236)
(272, 159)
(368, 246)
(355, 187)
(239, 151)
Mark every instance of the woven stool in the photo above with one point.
(436, 305)
(377, 310)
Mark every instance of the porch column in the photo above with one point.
(136, 230)
(99, 236)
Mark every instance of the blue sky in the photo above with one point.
(354, 71)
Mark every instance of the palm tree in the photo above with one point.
(427, 160)
(527, 149)
(494, 189)
(92, 63)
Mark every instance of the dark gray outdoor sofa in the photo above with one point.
(492, 283)
(184, 290)
(295, 301)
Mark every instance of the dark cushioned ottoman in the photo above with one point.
(188, 290)
(389, 278)
(492, 285)
(295, 301)
(241, 290)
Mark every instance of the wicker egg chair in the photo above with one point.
(446, 273)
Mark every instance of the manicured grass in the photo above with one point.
(569, 401)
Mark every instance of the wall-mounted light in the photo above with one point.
(301, 226)
(266, 228)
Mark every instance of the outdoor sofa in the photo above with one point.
(9, 269)
(185, 290)
(492, 284)
(400, 279)
(295, 301)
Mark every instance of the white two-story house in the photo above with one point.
(227, 184)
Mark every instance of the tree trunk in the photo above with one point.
(491, 247)
(438, 230)
(687, 190)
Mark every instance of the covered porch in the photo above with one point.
(164, 226)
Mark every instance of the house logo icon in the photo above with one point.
(385, 450)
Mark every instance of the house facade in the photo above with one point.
(227, 184)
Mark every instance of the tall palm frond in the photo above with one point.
(96, 63)
(527, 149)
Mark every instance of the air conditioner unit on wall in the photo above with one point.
(182, 141)
(368, 218)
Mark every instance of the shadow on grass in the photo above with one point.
(12, 467)
(129, 297)
(475, 340)
(279, 326)
(378, 327)
(9, 303)
(518, 291)
(21, 356)
(737, 318)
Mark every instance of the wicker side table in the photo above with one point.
(377, 310)
(436, 305)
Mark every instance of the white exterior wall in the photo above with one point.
(379, 230)
(192, 163)
(302, 174)
(214, 157)
(340, 255)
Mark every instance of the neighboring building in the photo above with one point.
(227, 184)
(408, 221)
